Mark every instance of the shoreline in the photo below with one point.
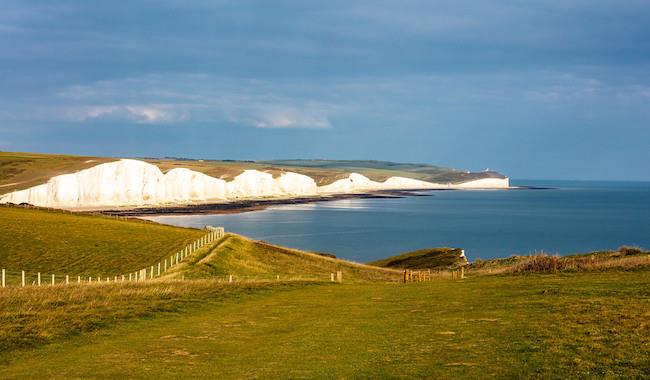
(245, 205)
(249, 205)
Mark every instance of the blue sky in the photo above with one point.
(535, 89)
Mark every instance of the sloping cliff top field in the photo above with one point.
(20, 171)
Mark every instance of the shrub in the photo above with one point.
(629, 251)
(539, 263)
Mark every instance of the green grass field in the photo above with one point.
(582, 325)
(62, 243)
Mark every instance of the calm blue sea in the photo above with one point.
(570, 218)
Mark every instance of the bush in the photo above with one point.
(629, 251)
(539, 263)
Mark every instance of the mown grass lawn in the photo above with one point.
(62, 243)
(577, 325)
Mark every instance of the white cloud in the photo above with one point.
(287, 118)
(147, 114)
(171, 99)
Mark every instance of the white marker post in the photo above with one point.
(3, 278)
(23, 279)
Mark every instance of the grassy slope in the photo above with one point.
(23, 170)
(583, 325)
(62, 243)
(248, 259)
(428, 258)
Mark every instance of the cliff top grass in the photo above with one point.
(36, 240)
(247, 259)
(23, 170)
(428, 258)
(19, 170)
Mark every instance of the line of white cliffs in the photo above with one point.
(138, 183)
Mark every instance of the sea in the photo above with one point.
(555, 217)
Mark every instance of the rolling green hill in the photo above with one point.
(36, 240)
(428, 258)
(255, 260)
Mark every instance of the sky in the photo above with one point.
(534, 89)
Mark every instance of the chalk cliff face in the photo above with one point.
(137, 183)
(353, 184)
(186, 186)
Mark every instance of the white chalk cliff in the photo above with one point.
(137, 183)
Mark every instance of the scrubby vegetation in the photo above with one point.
(624, 258)
(428, 258)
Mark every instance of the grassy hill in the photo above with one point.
(23, 170)
(428, 258)
(248, 259)
(37, 240)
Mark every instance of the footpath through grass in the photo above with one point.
(62, 243)
(578, 325)
(244, 259)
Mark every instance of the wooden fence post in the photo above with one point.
(339, 276)
(3, 277)
(23, 279)
(67, 279)
(151, 274)
(90, 279)
(158, 269)
(332, 276)
(230, 278)
(39, 278)
(405, 276)
(53, 279)
(462, 272)
(78, 279)
(122, 278)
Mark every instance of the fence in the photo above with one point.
(148, 273)
(428, 275)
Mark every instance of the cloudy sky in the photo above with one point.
(535, 89)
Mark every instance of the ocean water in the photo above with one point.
(572, 217)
